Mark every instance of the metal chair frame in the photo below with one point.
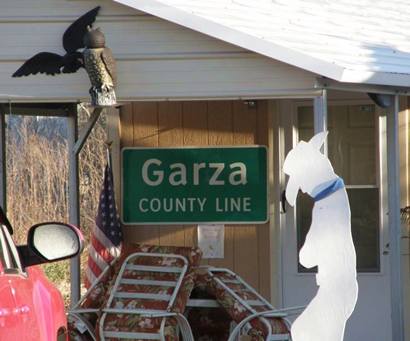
(76, 312)
(249, 304)
(182, 322)
(164, 314)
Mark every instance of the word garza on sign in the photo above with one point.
(194, 185)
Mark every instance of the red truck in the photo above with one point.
(31, 308)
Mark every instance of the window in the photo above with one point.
(4, 256)
(12, 258)
(353, 148)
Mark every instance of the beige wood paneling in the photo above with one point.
(145, 134)
(245, 236)
(220, 125)
(170, 133)
(195, 123)
(126, 126)
(202, 123)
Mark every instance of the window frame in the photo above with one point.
(381, 178)
(5, 260)
(14, 263)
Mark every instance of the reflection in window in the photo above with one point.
(352, 151)
(364, 206)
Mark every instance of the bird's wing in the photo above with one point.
(43, 62)
(109, 62)
(72, 62)
(73, 36)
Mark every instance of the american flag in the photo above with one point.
(106, 236)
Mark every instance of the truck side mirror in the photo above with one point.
(50, 242)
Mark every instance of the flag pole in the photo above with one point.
(106, 236)
(108, 145)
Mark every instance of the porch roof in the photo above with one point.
(356, 41)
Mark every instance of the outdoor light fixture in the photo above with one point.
(250, 103)
(381, 100)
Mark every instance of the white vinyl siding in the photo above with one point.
(156, 59)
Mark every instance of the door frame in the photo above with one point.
(287, 137)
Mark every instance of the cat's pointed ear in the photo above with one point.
(318, 140)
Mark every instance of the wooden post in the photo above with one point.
(393, 174)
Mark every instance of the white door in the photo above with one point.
(356, 148)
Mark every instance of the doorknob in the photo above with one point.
(283, 201)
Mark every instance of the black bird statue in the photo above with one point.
(101, 68)
(52, 63)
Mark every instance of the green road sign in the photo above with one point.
(194, 185)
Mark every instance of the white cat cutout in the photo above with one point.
(328, 244)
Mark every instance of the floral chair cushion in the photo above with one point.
(238, 311)
(98, 296)
(192, 254)
(141, 324)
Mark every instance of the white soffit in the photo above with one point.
(358, 41)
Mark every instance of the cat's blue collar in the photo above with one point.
(331, 188)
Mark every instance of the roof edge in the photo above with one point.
(377, 78)
(235, 37)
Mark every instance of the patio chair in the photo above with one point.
(142, 301)
(84, 316)
(254, 315)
